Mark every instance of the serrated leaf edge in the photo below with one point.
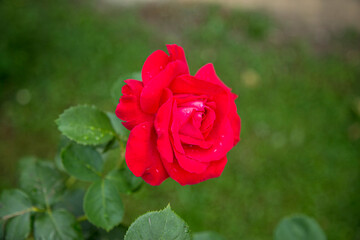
(168, 207)
(113, 133)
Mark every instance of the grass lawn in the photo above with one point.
(299, 103)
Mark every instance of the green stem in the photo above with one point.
(31, 209)
(35, 209)
(81, 218)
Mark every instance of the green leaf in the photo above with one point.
(112, 144)
(117, 86)
(112, 159)
(125, 180)
(299, 227)
(118, 127)
(82, 162)
(56, 225)
(207, 235)
(13, 203)
(164, 224)
(72, 201)
(102, 204)
(86, 125)
(18, 227)
(2, 230)
(64, 142)
(41, 180)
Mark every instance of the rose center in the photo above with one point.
(196, 116)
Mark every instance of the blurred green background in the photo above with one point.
(299, 100)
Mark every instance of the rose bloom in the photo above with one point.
(182, 126)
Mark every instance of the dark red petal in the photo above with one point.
(207, 73)
(154, 64)
(177, 53)
(208, 122)
(184, 100)
(174, 129)
(151, 94)
(185, 178)
(190, 165)
(142, 156)
(222, 143)
(189, 84)
(194, 141)
(154, 176)
(190, 130)
(184, 114)
(128, 108)
(162, 126)
(220, 96)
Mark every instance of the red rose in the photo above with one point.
(181, 126)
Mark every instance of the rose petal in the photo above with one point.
(186, 178)
(154, 64)
(194, 141)
(188, 84)
(190, 165)
(183, 114)
(207, 73)
(142, 156)
(151, 94)
(155, 175)
(174, 129)
(162, 126)
(190, 130)
(207, 122)
(128, 108)
(177, 53)
(185, 100)
(222, 144)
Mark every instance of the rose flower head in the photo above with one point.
(182, 126)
